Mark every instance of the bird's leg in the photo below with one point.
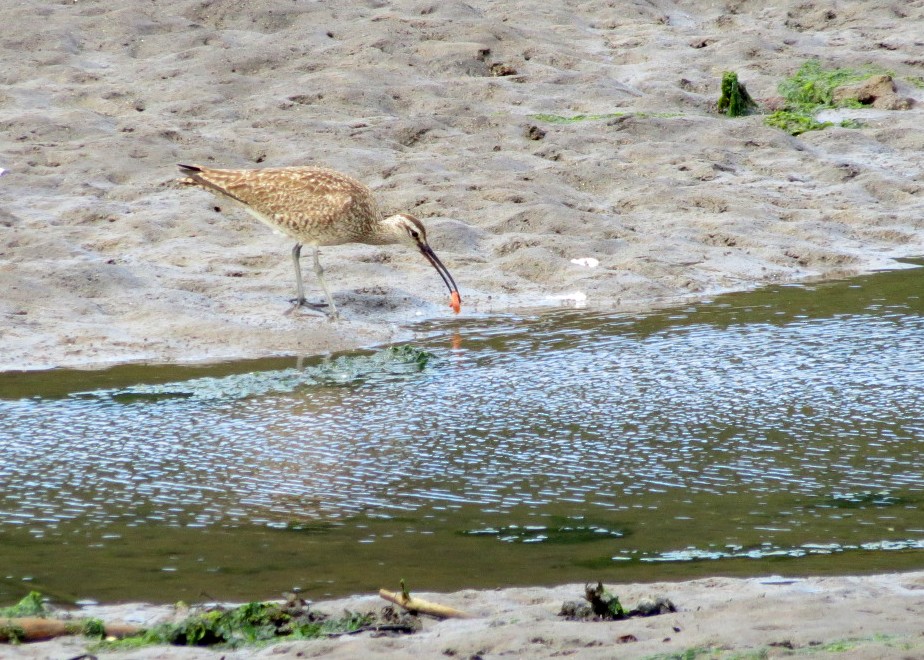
(300, 291)
(300, 288)
(319, 272)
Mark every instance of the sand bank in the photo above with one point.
(871, 617)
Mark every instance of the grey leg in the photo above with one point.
(300, 290)
(320, 275)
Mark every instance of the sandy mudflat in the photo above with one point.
(834, 617)
(102, 259)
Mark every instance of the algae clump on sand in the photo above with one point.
(735, 100)
(33, 604)
(249, 624)
(811, 89)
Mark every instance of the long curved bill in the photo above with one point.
(455, 298)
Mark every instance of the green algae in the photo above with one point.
(810, 90)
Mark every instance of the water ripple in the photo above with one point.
(559, 413)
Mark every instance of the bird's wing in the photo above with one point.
(302, 196)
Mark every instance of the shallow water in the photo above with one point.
(778, 431)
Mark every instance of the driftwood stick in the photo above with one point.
(34, 629)
(411, 604)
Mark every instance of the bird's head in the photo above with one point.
(408, 230)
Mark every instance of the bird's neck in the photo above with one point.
(386, 231)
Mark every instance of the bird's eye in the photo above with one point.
(414, 234)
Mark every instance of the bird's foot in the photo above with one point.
(302, 302)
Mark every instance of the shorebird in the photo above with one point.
(317, 207)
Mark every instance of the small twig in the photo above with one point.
(405, 594)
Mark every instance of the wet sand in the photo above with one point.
(103, 259)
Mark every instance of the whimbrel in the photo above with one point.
(317, 207)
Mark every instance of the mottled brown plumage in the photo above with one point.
(316, 206)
